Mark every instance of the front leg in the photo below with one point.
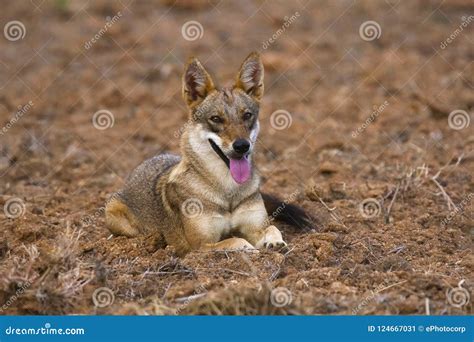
(252, 222)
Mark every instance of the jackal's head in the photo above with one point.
(224, 122)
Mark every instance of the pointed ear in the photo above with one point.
(197, 83)
(250, 76)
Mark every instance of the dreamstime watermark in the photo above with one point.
(286, 24)
(14, 30)
(21, 110)
(192, 30)
(103, 297)
(375, 113)
(370, 208)
(199, 292)
(108, 24)
(370, 30)
(14, 208)
(281, 297)
(464, 23)
(281, 119)
(459, 119)
(457, 209)
(103, 119)
(369, 298)
(195, 116)
(46, 330)
(88, 220)
(192, 208)
(458, 296)
(280, 208)
(14, 297)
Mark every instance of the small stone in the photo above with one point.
(338, 190)
(334, 226)
(301, 284)
(328, 168)
(423, 220)
(37, 211)
(314, 192)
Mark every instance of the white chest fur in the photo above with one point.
(216, 226)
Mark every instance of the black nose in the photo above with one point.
(241, 146)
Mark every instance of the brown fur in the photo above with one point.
(161, 192)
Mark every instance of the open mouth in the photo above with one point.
(239, 168)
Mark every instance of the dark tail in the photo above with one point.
(288, 213)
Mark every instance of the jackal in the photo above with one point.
(209, 197)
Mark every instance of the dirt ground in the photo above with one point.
(371, 136)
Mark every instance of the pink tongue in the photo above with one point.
(240, 169)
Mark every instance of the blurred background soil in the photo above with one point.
(367, 148)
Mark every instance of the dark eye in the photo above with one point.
(216, 119)
(247, 116)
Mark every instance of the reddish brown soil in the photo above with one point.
(404, 260)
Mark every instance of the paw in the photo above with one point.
(272, 239)
(275, 245)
